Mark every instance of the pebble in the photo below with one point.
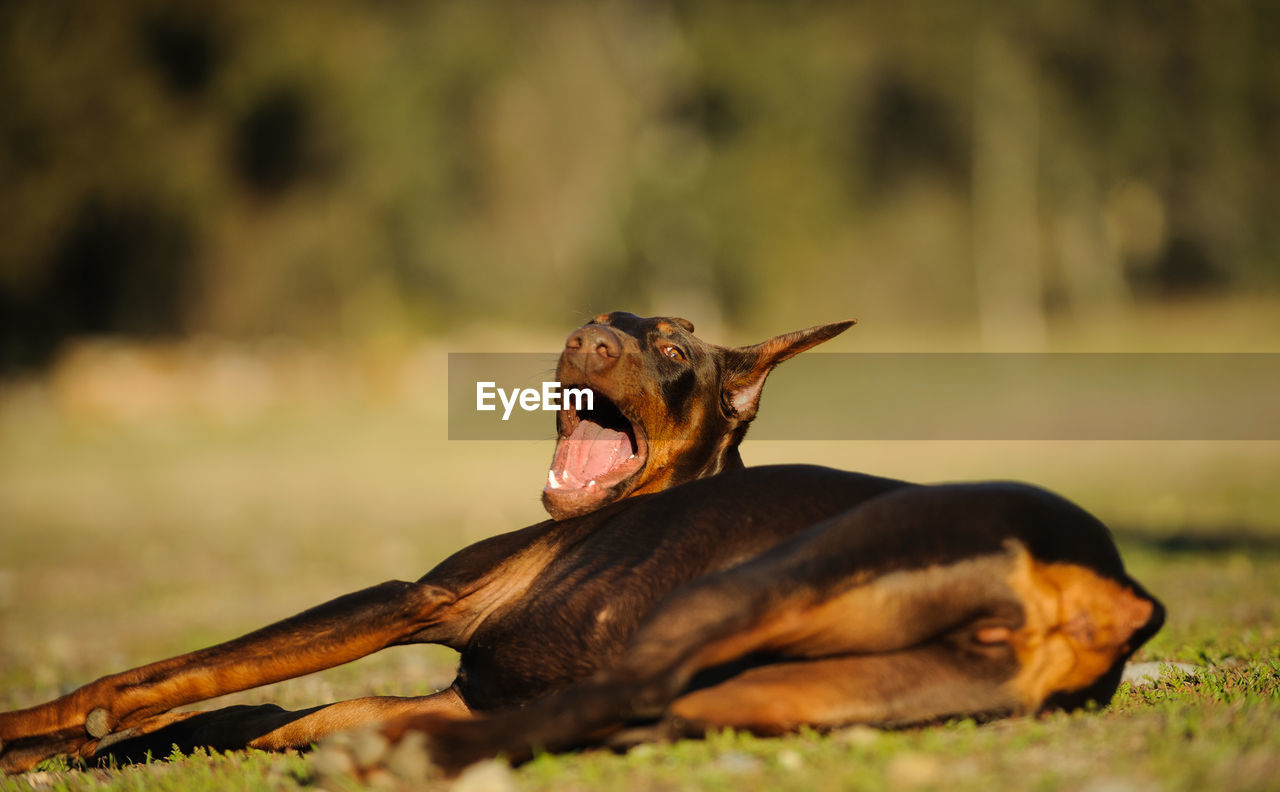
(408, 760)
(913, 770)
(491, 775)
(368, 748)
(737, 762)
(332, 760)
(1141, 674)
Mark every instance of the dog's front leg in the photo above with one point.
(337, 632)
(267, 726)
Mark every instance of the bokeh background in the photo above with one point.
(239, 238)
(327, 170)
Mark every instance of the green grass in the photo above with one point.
(1222, 732)
(125, 541)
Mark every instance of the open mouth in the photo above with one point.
(597, 450)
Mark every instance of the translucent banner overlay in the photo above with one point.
(819, 396)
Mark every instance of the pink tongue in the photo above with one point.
(594, 451)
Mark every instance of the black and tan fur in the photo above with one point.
(692, 594)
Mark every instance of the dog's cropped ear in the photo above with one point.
(748, 367)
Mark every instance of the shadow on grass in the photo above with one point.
(1203, 539)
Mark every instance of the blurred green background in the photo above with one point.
(320, 170)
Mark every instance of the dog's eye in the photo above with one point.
(672, 352)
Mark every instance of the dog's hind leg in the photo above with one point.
(752, 616)
(935, 612)
(909, 686)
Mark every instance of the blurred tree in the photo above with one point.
(329, 168)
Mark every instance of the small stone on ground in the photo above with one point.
(1141, 674)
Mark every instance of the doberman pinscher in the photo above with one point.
(677, 591)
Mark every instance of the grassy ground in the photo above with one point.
(123, 540)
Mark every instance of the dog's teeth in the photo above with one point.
(591, 483)
(633, 456)
(551, 480)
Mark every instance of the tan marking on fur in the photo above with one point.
(669, 438)
(884, 613)
(506, 584)
(1077, 626)
(912, 685)
(357, 713)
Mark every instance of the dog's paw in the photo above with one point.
(21, 755)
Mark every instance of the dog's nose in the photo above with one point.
(596, 346)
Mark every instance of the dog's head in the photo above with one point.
(665, 407)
